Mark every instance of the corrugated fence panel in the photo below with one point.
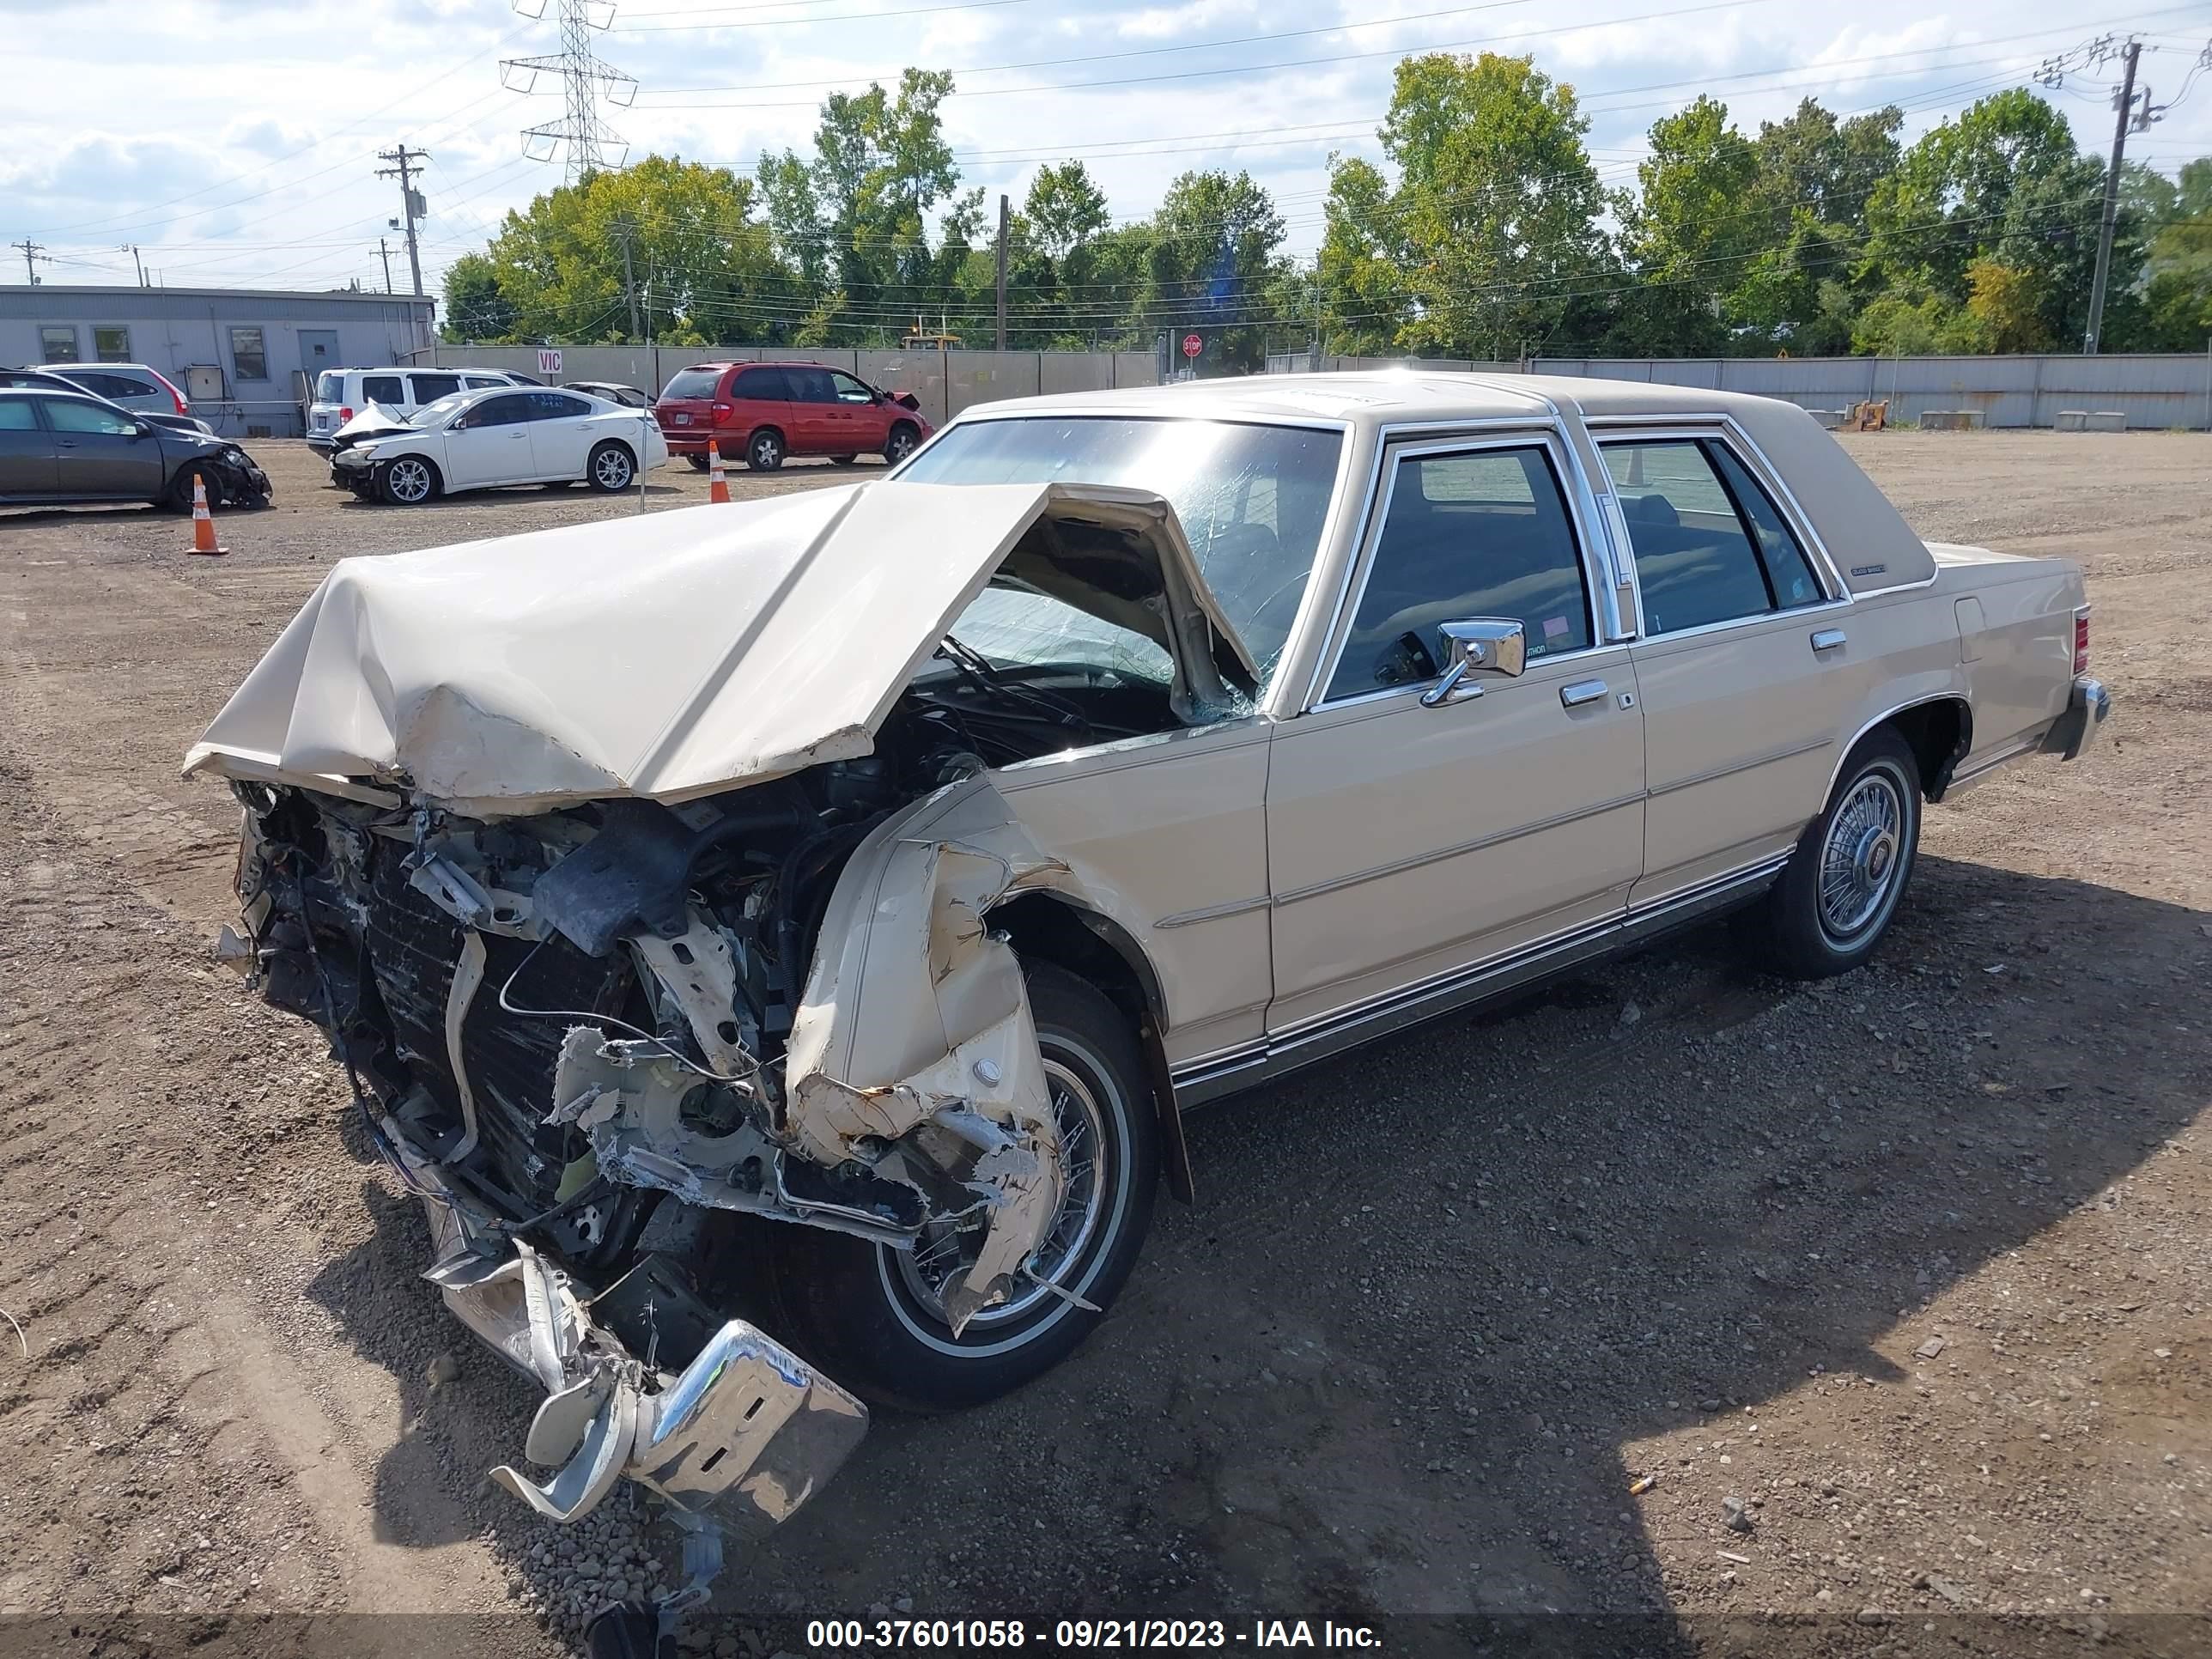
(2154, 392)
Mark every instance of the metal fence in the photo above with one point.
(946, 382)
(2154, 392)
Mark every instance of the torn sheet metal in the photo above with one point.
(916, 1018)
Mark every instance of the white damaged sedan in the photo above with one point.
(500, 435)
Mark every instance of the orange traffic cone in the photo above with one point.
(718, 486)
(204, 539)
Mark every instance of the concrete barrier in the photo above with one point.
(1952, 420)
(2070, 420)
(1830, 418)
(2106, 420)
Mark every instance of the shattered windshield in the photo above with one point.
(1252, 500)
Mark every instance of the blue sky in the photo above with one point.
(233, 141)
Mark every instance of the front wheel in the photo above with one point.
(179, 498)
(874, 1317)
(1835, 897)
(408, 481)
(765, 453)
(612, 468)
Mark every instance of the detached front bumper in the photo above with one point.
(2076, 730)
(737, 1439)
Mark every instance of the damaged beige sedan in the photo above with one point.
(893, 863)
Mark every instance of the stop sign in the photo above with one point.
(1192, 345)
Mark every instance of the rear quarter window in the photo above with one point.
(692, 383)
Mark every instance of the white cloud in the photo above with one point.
(214, 96)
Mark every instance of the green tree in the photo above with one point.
(1209, 261)
(850, 218)
(1686, 236)
(476, 307)
(700, 267)
(1364, 300)
(2004, 182)
(1496, 202)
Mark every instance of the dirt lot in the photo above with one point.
(1915, 1264)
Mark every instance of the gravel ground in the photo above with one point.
(1677, 1295)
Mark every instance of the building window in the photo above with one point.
(248, 357)
(111, 343)
(58, 344)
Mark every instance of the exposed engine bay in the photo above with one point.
(651, 898)
(581, 1013)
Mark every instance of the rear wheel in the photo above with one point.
(873, 1316)
(1836, 898)
(902, 442)
(698, 462)
(843, 461)
(612, 468)
(408, 481)
(766, 451)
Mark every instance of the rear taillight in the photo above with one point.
(2081, 640)
(721, 410)
(170, 386)
(345, 414)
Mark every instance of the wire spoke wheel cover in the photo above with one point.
(1861, 857)
(1071, 1249)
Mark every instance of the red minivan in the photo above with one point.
(766, 411)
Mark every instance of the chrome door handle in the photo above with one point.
(1575, 695)
(1828, 639)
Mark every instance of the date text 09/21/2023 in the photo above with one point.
(830, 1635)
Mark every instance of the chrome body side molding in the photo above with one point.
(1213, 1076)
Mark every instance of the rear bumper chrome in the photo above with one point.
(2076, 730)
(739, 1439)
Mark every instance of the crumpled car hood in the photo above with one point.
(681, 653)
(373, 421)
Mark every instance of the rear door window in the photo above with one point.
(557, 405)
(429, 388)
(1481, 534)
(16, 415)
(480, 382)
(381, 389)
(1698, 559)
(762, 386)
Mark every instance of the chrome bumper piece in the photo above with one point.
(2076, 730)
(738, 1440)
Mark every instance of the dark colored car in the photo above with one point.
(613, 391)
(91, 382)
(765, 412)
(67, 446)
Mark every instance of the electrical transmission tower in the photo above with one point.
(590, 144)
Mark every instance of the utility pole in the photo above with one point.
(131, 248)
(629, 282)
(34, 255)
(402, 161)
(2125, 103)
(384, 251)
(1005, 218)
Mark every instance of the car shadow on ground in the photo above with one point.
(461, 500)
(1400, 1356)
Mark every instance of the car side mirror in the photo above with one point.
(142, 429)
(1486, 647)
